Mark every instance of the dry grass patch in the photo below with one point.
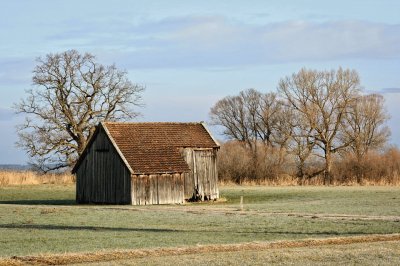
(158, 252)
(12, 178)
(287, 180)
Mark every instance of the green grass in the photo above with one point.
(340, 200)
(38, 195)
(45, 218)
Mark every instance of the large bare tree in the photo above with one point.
(71, 94)
(365, 128)
(322, 99)
(365, 125)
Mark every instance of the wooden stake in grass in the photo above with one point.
(241, 203)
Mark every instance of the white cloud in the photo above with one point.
(218, 42)
(215, 41)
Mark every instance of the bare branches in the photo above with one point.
(364, 125)
(316, 115)
(256, 120)
(72, 93)
(252, 117)
(321, 99)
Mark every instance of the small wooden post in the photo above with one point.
(241, 203)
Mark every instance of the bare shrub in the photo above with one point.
(269, 164)
(234, 161)
(374, 169)
(237, 163)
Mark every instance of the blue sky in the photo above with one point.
(189, 54)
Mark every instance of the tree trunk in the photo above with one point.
(328, 168)
(254, 167)
(359, 169)
(254, 162)
(300, 172)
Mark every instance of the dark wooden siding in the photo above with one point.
(157, 189)
(203, 177)
(102, 177)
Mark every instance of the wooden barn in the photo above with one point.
(147, 163)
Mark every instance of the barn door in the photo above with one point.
(205, 173)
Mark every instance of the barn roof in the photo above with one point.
(154, 147)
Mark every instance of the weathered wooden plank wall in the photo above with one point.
(102, 177)
(189, 184)
(203, 176)
(157, 189)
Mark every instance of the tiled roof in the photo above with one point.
(154, 147)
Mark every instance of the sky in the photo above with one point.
(189, 54)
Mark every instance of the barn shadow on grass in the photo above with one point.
(80, 228)
(66, 202)
(165, 230)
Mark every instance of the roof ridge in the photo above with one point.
(172, 123)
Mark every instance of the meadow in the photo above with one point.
(40, 220)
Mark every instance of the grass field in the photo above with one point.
(43, 219)
(361, 254)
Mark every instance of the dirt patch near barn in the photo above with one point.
(103, 256)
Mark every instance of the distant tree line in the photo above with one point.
(314, 120)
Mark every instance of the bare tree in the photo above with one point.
(251, 117)
(72, 93)
(238, 116)
(255, 119)
(322, 99)
(364, 126)
(266, 117)
(251, 100)
(302, 147)
(230, 113)
(365, 129)
(284, 129)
